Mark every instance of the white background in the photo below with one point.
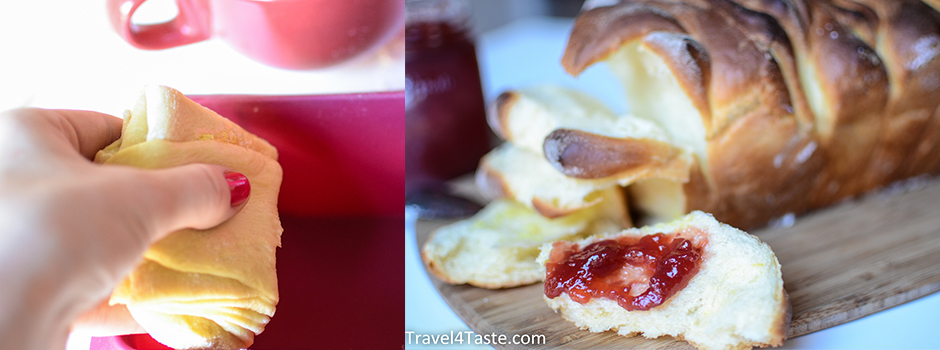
(64, 54)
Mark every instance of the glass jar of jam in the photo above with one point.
(445, 119)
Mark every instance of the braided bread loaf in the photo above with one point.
(784, 105)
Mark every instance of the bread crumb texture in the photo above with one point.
(735, 301)
(497, 247)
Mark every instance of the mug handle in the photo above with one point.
(191, 25)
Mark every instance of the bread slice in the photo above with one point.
(560, 124)
(213, 288)
(525, 116)
(735, 301)
(511, 172)
(564, 145)
(497, 247)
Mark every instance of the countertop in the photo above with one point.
(528, 52)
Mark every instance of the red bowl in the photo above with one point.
(339, 268)
(343, 155)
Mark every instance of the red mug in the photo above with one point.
(292, 34)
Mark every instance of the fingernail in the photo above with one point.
(239, 186)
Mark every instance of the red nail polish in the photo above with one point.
(239, 186)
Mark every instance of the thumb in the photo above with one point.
(197, 196)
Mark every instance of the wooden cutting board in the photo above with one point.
(839, 264)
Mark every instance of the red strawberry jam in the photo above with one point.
(638, 272)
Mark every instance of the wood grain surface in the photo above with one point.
(839, 264)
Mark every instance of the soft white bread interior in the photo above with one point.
(735, 301)
(497, 247)
(527, 115)
(511, 172)
(202, 289)
(558, 123)
(558, 149)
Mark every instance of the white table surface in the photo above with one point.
(528, 52)
(64, 54)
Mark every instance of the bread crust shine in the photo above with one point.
(803, 103)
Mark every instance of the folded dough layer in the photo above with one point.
(214, 288)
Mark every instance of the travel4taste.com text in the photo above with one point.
(468, 337)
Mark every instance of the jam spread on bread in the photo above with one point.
(638, 272)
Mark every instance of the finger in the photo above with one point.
(85, 131)
(107, 320)
(89, 131)
(195, 196)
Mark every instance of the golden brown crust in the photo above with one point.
(856, 107)
(491, 183)
(585, 155)
(908, 26)
(805, 103)
(498, 118)
(761, 168)
(688, 62)
(730, 48)
(599, 32)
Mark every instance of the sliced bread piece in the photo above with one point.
(582, 138)
(513, 172)
(497, 247)
(735, 299)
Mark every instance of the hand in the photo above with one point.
(71, 230)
